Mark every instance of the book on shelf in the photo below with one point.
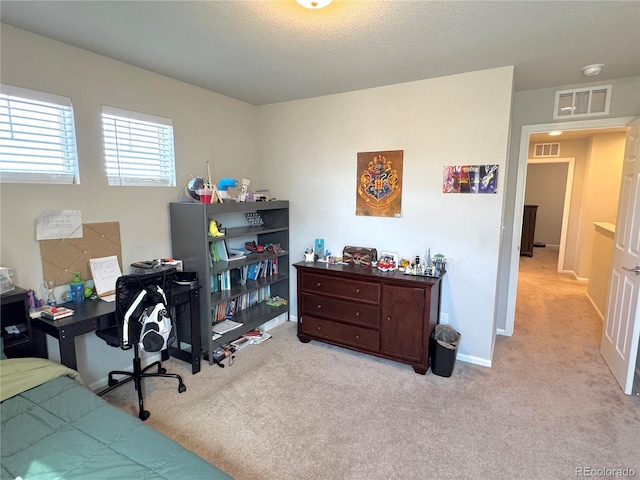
(226, 326)
(235, 254)
(218, 251)
(55, 313)
(36, 312)
(240, 343)
(252, 273)
(256, 337)
(228, 308)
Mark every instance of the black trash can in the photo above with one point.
(444, 348)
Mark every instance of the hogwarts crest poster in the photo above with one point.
(379, 183)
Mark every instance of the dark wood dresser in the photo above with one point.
(528, 230)
(387, 314)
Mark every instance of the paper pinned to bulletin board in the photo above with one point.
(58, 224)
(61, 258)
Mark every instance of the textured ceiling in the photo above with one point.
(266, 51)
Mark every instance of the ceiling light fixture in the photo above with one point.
(314, 4)
(593, 69)
(555, 133)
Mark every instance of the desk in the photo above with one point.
(91, 315)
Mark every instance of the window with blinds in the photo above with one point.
(37, 137)
(138, 148)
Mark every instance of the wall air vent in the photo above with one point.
(546, 150)
(582, 102)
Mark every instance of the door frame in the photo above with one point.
(568, 188)
(516, 234)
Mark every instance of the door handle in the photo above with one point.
(636, 269)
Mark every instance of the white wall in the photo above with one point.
(303, 151)
(546, 185)
(602, 187)
(309, 152)
(207, 126)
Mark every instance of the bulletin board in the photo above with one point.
(61, 258)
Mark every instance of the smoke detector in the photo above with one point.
(593, 69)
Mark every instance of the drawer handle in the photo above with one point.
(319, 327)
(357, 290)
(319, 306)
(318, 284)
(388, 319)
(357, 337)
(357, 314)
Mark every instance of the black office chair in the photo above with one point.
(128, 288)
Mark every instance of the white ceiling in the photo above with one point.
(268, 51)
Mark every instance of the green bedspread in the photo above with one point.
(55, 428)
(20, 374)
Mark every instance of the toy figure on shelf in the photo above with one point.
(244, 190)
(215, 229)
(387, 262)
(49, 285)
(309, 255)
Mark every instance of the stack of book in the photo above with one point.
(55, 313)
(256, 336)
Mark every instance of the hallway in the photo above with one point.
(553, 309)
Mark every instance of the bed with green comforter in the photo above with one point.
(53, 427)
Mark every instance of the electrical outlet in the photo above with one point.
(444, 318)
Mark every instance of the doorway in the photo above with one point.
(549, 186)
(527, 131)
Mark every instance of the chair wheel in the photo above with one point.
(162, 370)
(144, 415)
(182, 388)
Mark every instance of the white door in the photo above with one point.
(621, 331)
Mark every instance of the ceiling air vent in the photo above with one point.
(546, 150)
(582, 102)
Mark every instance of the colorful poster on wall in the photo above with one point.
(379, 183)
(470, 179)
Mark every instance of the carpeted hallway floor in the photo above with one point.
(547, 409)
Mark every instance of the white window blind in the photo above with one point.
(37, 137)
(138, 148)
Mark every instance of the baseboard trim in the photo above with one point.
(101, 383)
(595, 307)
(483, 362)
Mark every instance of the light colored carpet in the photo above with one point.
(287, 410)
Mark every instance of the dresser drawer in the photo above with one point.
(341, 287)
(358, 313)
(341, 333)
